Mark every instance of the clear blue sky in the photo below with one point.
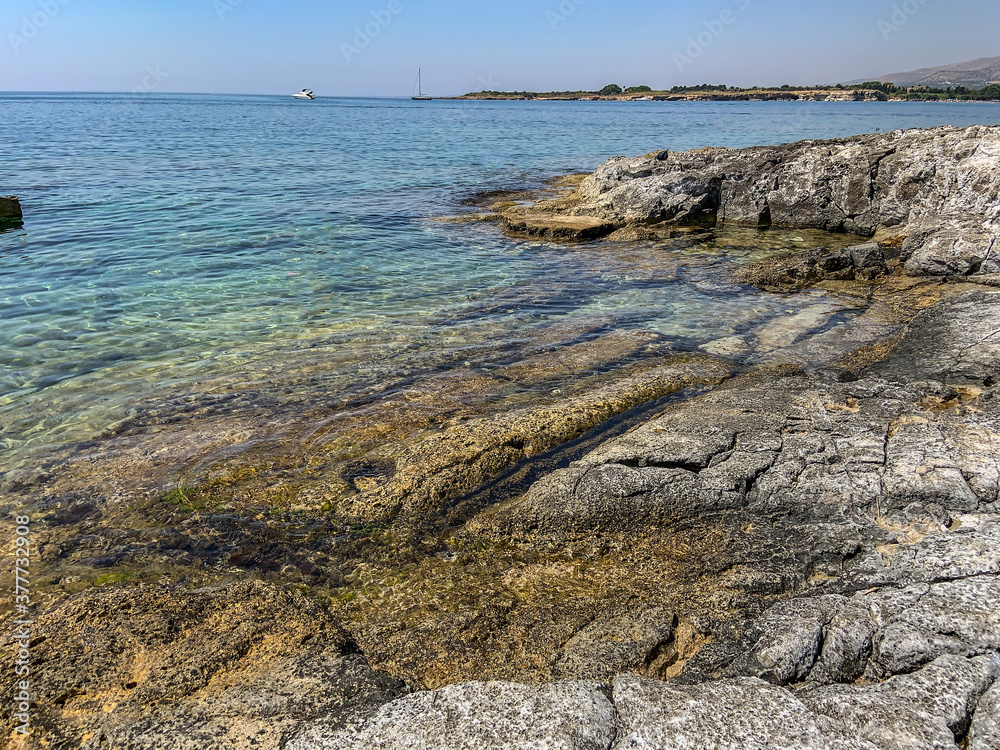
(266, 46)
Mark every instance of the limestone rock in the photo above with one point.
(780, 443)
(482, 716)
(947, 618)
(984, 734)
(613, 645)
(830, 639)
(557, 226)
(446, 465)
(929, 709)
(939, 189)
(788, 638)
(957, 341)
(743, 713)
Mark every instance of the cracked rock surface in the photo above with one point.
(898, 643)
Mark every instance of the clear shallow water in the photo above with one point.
(176, 245)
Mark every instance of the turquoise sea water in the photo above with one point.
(180, 245)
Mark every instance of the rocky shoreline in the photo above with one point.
(927, 197)
(805, 95)
(803, 556)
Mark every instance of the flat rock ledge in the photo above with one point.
(925, 709)
(929, 198)
(558, 226)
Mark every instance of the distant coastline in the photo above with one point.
(868, 92)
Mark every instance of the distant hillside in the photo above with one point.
(974, 74)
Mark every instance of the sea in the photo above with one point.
(178, 248)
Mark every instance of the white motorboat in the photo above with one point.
(304, 94)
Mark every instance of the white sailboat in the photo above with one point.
(304, 94)
(420, 94)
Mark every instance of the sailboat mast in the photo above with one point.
(420, 88)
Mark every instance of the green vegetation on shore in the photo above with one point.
(714, 92)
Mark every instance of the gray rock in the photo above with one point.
(776, 445)
(927, 709)
(740, 714)
(847, 644)
(610, 646)
(787, 639)
(924, 622)
(947, 247)
(967, 551)
(957, 341)
(867, 258)
(984, 734)
(481, 716)
(887, 631)
(939, 189)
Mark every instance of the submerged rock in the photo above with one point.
(442, 467)
(237, 666)
(624, 643)
(557, 226)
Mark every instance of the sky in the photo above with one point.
(374, 47)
